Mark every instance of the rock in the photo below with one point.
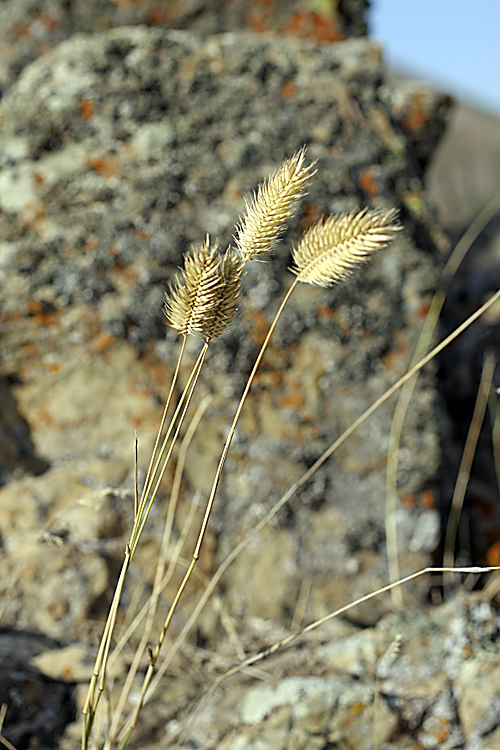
(28, 30)
(118, 150)
(423, 691)
(117, 195)
(37, 707)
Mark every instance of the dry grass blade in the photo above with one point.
(294, 637)
(330, 250)
(457, 256)
(190, 300)
(466, 462)
(271, 207)
(231, 557)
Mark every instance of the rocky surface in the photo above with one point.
(29, 29)
(119, 149)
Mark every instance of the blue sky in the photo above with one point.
(454, 44)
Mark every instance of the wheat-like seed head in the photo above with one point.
(203, 297)
(270, 208)
(230, 270)
(329, 251)
(191, 298)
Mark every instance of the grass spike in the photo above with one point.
(271, 206)
(329, 251)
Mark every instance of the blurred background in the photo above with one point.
(451, 43)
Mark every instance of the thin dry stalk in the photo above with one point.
(174, 561)
(160, 568)
(494, 410)
(327, 253)
(223, 567)
(294, 637)
(469, 451)
(454, 261)
(3, 740)
(151, 468)
(202, 300)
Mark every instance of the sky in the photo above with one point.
(454, 44)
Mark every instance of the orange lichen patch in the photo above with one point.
(327, 312)
(493, 554)
(407, 500)
(260, 327)
(28, 350)
(44, 319)
(49, 21)
(51, 366)
(423, 311)
(428, 499)
(38, 178)
(418, 113)
(90, 246)
(392, 359)
(102, 342)
(105, 166)
(126, 3)
(41, 318)
(295, 398)
(157, 17)
(272, 379)
(466, 651)
(119, 263)
(300, 434)
(34, 307)
(288, 89)
(42, 417)
(314, 26)
(57, 610)
(130, 274)
(258, 23)
(442, 734)
(87, 108)
(32, 215)
(357, 708)
(368, 182)
(311, 216)
(21, 29)
(142, 235)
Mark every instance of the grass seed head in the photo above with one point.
(271, 206)
(329, 251)
(190, 300)
(203, 297)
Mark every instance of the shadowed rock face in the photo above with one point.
(121, 148)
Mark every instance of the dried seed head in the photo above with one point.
(329, 251)
(270, 208)
(230, 269)
(203, 298)
(191, 298)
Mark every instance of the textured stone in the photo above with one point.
(118, 150)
